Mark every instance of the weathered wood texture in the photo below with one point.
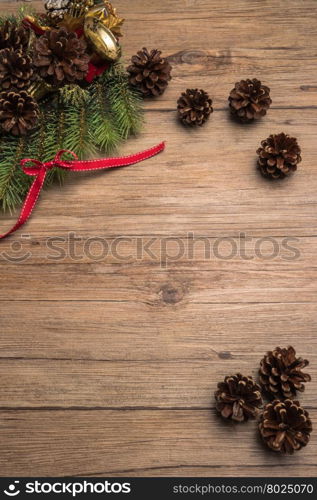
(108, 366)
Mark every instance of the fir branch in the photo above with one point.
(79, 138)
(74, 101)
(14, 184)
(101, 121)
(124, 101)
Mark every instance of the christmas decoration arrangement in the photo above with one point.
(64, 89)
(284, 425)
(62, 86)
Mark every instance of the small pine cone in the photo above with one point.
(61, 57)
(279, 156)
(19, 112)
(285, 426)
(149, 72)
(13, 36)
(238, 398)
(16, 69)
(281, 373)
(249, 100)
(194, 107)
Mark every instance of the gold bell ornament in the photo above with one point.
(102, 29)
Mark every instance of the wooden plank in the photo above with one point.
(124, 384)
(141, 443)
(158, 280)
(86, 331)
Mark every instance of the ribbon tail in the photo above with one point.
(123, 161)
(29, 203)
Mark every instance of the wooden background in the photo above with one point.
(108, 367)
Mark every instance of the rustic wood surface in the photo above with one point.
(108, 366)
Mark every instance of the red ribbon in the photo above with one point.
(39, 170)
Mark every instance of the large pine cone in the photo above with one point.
(194, 107)
(16, 69)
(279, 156)
(61, 57)
(249, 100)
(238, 398)
(13, 36)
(285, 426)
(19, 112)
(281, 373)
(149, 72)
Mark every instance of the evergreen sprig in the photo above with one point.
(101, 120)
(125, 102)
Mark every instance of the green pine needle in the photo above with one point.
(101, 121)
(124, 101)
(14, 184)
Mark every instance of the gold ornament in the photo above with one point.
(112, 21)
(101, 28)
(107, 14)
(78, 8)
(35, 22)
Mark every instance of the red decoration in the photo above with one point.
(39, 171)
(94, 71)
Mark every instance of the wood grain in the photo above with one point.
(108, 363)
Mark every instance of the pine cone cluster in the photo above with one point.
(15, 69)
(13, 36)
(281, 373)
(249, 100)
(194, 107)
(19, 112)
(149, 72)
(279, 156)
(60, 57)
(285, 426)
(238, 398)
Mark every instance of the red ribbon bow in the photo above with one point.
(39, 170)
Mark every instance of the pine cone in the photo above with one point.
(285, 426)
(279, 156)
(281, 373)
(61, 57)
(149, 72)
(194, 107)
(13, 36)
(249, 100)
(16, 69)
(18, 112)
(238, 398)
